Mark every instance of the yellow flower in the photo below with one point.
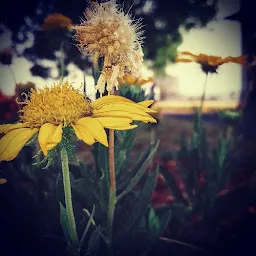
(48, 110)
(130, 79)
(2, 181)
(209, 63)
(108, 32)
(56, 21)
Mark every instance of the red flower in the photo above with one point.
(8, 107)
(161, 197)
(160, 182)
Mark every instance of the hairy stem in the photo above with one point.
(68, 198)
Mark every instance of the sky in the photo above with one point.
(220, 37)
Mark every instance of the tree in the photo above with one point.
(162, 21)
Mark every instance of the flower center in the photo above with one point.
(60, 104)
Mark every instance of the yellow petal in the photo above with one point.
(188, 53)
(183, 60)
(12, 143)
(134, 111)
(112, 113)
(105, 100)
(2, 181)
(83, 134)
(139, 106)
(95, 128)
(49, 136)
(112, 122)
(4, 128)
(146, 103)
(126, 127)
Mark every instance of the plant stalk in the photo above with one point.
(204, 92)
(112, 191)
(68, 197)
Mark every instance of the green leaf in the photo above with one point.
(140, 169)
(172, 186)
(158, 222)
(104, 179)
(90, 221)
(140, 204)
(153, 221)
(64, 222)
(120, 159)
(50, 159)
(233, 115)
(94, 242)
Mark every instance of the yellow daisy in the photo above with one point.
(55, 21)
(130, 79)
(209, 63)
(2, 181)
(48, 110)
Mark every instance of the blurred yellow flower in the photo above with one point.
(22, 89)
(48, 110)
(2, 181)
(209, 63)
(56, 21)
(108, 32)
(130, 79)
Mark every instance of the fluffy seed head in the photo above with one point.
(106, 31)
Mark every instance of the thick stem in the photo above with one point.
(112, 190)
(203, 95)
(68, 197)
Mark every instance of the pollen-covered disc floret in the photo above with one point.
(59, 104)
(108, 32)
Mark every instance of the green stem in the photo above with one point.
(112, 191)
(68, 197)
(203, 95)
